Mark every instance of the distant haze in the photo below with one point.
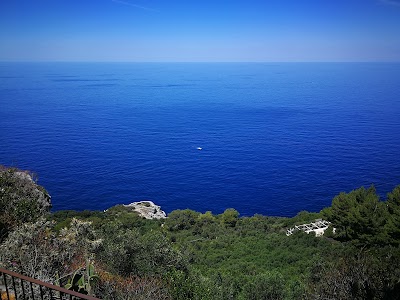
(197, 31)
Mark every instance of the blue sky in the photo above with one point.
(206, 30)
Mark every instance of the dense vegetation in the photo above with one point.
(21, 200)
(192, 255)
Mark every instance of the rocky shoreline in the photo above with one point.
(147, 209)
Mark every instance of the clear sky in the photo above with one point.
(202, 30)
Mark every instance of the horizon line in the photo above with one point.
(199, 62)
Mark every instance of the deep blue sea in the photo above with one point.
(276, 138)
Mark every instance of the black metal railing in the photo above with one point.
(14, 286)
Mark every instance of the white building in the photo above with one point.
(319, 227)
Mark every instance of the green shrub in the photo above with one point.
(230, 217)
(267, 286)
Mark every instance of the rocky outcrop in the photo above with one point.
(17, 187)
(147, 209)
(21, 199)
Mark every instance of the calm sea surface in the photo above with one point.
(276, 138)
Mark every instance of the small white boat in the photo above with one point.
(199, 148)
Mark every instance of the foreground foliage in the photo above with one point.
(191, 255)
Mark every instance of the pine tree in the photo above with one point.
(393, 224)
